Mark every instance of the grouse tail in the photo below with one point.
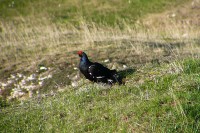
(117, 78)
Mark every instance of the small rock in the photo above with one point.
(75, 68)
(124, 66)
(49, 76)
(107, 60)
(40, 83)
(74, 84)
(19, 75)
(43, 68)
(173, 15)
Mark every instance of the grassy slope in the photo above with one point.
(155, 99)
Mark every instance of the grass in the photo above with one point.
(72, 12)
(163, 101)
(28, 38)
(159, 38)
(26, 47)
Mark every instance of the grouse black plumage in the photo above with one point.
(97, 72)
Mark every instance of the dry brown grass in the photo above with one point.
(32, 43)
(26, 42)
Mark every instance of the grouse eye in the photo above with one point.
(80, 53)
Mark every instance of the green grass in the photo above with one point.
(155, 99)
(74, 12)
(158, 97)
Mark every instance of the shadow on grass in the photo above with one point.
(124, 73)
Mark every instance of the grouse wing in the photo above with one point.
(99, 72)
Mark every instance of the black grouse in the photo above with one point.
(97, 72)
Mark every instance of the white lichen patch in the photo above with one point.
(31, 77)
(20, 85)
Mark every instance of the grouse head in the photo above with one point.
(80, 53)
(83, 56)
